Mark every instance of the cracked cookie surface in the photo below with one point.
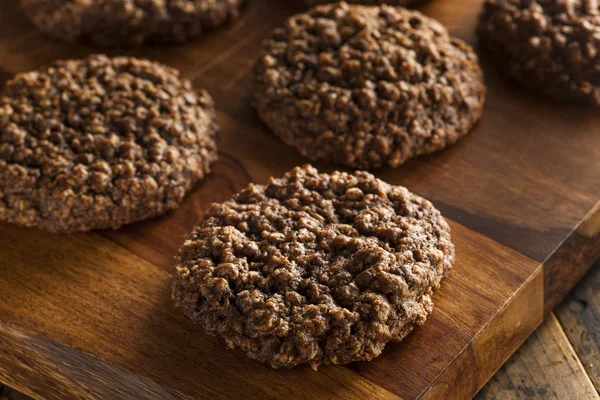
(551, 46)
(367, 86)
(129, 22)
(401, 3)
(100, 142)
(314, 268)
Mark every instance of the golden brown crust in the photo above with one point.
(314, 268)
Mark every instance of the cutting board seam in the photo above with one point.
(593, 213)
(587, 227)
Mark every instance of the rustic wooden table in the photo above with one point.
(561, 360)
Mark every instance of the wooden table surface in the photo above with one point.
(561, 360)
(91, 313)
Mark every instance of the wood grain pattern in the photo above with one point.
(518, 189)
(117, 307)
(579, 318)
(579, 314)
(474, 365)
(570, 262)
(546, 367)
(38, 361)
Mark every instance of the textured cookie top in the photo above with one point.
(403, 3)
(366, 86)
(314, 268)
(551, 45)
(100, 142)
(129, 22)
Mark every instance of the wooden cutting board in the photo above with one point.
(90, 315)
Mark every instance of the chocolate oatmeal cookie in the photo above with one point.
(551, 46)
(100, 142)
(402, 3)
(367, 87)
(129, 22)
(314, 268)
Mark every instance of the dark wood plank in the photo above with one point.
(54, 371)
(579, 316)
(473, 366)
(545, 367)
(4, 76)
(7, 393)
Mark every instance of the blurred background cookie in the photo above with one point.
(551, 46)
(99, 142)
(129, 22)
(367, 86)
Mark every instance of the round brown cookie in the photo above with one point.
(551, 46)
(367, 87)
(402, 3)
(100, 142)
(129, 22)
(314, 268)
